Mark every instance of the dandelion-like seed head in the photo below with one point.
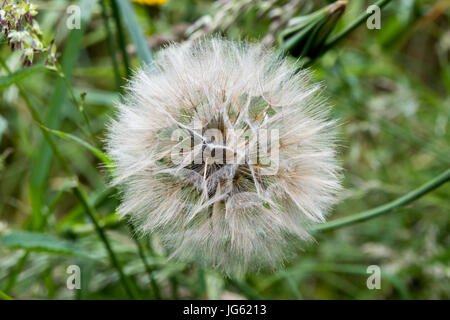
(225, 151)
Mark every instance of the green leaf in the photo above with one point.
(40, 242)
(96, 197)
(96, 152)
(135, 32)
(245, 289)
(17, 76)
(332, 41)
(306, 35)
(4, 296)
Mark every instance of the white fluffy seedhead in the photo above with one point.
(245, 212)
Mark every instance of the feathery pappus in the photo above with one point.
(226, 152)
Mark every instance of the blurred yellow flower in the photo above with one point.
(151, 2)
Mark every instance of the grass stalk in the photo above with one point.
(245, 289)
(155, 287)
(12, 278)
(78, 104)
(121, 38)
(202, 281)
(388, 207)
(111, 44)
(77, 189)
(132, 293)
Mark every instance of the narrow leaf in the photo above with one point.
(43, 156)
(40, 242)
(135, 32)
(4, 296)
(96, 152)
(17, 76)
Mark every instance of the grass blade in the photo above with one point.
(121, 38)
(245, 289)
(4, 296)
(135, 32)
(344, 33)
(40, 242)
(111, 44)
(70, 137)
(17, 76)
(43, 156)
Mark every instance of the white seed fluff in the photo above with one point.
(232, 216)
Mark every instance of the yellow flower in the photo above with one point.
(151, 2)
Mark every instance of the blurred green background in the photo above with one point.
(389, 88)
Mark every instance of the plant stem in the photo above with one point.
(79, 105)
(245, 289)
(121, 38)
(77, 189)
(202, 281)
(89, 210)
(402, 201)
(12, 278)
(174, 287)
(111, 45)
(341, 35)
(155, 287)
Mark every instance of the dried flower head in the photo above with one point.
(224, 151)
(226, 12)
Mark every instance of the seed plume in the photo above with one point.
(225, 151)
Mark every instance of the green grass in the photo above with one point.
(389, 88)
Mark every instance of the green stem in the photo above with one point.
(77, 189)
(293, 286)
(155, 287)
(111, 45)
(245, 289)
(388, 207)
(115, 262)
(12, 278)
(121, 38)
(36, 117)
(341, 35)
(174, 287)
(202, 281)
(79, 105)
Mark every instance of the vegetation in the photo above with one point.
(389, 88)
